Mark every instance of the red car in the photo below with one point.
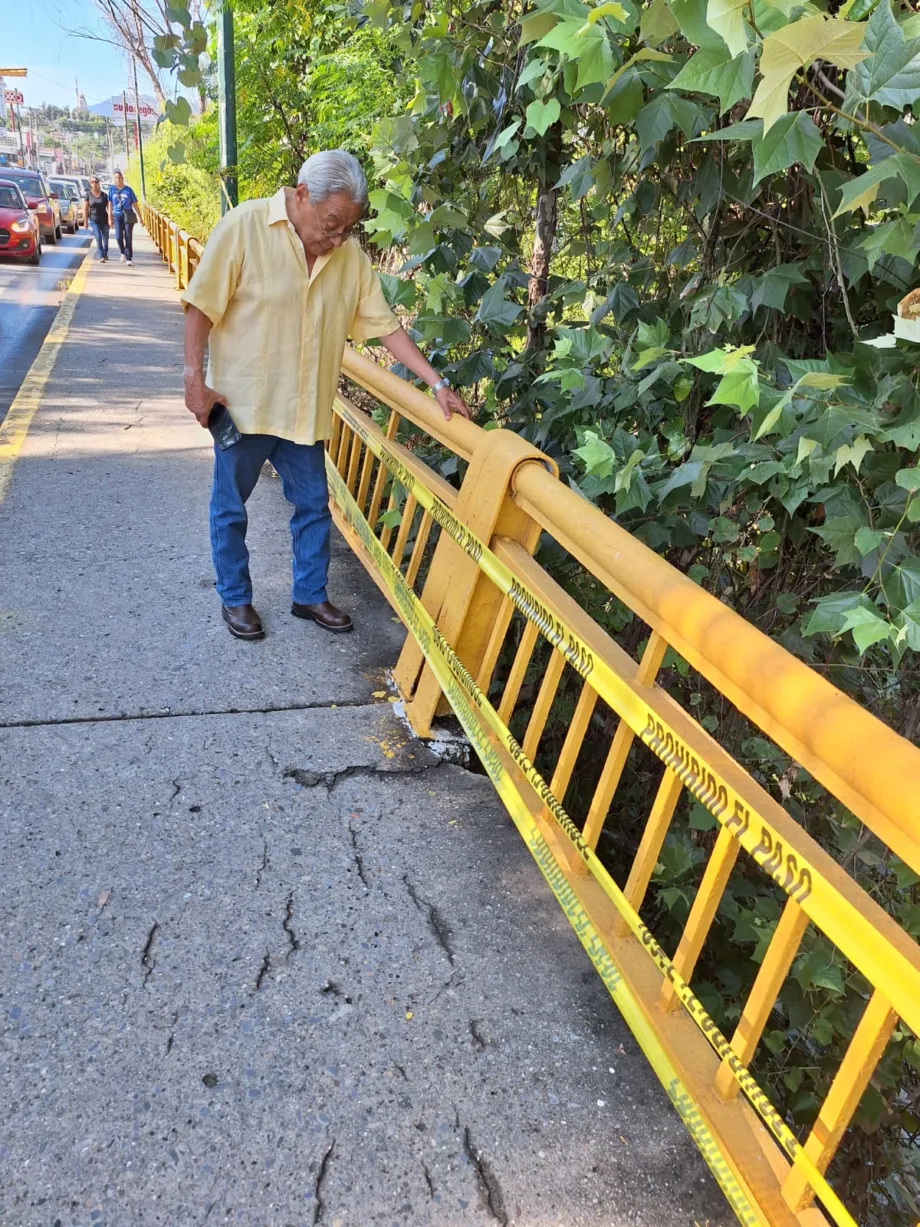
(20, 233)
(38, 198)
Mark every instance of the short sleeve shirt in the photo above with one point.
(122, 199)
(278, 337)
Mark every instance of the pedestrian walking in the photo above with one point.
(122, 216)
(96, 216)
(280, 285)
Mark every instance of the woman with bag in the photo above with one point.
(122, 216)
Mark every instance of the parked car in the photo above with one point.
(67, 194)
(77, 180)
(20, 233)
(38, 197)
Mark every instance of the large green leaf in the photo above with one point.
(658, 117)
(542, 115)
(891, 76)
(739, 388)
(179, 112)
(596, 455)
(497, 312)
(624, 102)
(657, 24)
(587, 44)
(895, 238)
(535, 25)
(795, 47)
(829, 612)
(793, 138)
(715, 72)
(868, 627)
(726, 17)
(860, 193)
(578, 177)
(771, 288)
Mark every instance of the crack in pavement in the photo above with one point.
(172, 1034)
(428, 1181)
(486, 1179)
(433, 918)
(359, 859)
(146, 960)
(264, 864)
(184, 715)
(286, 925)
(263, 970)
(320, 1206)
(331, 779)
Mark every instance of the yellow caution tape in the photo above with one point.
(895, 975)
(473, 708)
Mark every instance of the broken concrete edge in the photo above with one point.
(448, 742)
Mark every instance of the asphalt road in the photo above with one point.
(29, 298)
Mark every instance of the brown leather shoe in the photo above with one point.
(243, 622)
(325, 615)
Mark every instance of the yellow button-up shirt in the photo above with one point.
(275, 351)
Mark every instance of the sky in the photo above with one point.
(41, 36)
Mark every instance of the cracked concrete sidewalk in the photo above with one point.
(264, 959)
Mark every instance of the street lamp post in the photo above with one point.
(226, 84)
(140, 139)
(124, 104)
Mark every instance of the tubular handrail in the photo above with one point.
(869, 767)
(459, 435)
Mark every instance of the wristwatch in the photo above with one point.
(442, 383)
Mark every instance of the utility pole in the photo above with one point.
(22, 151)
(109, 144)
(140, 139)
(124, 103)
(226, 87)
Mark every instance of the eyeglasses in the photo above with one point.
(330, 230)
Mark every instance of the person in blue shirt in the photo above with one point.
(122, 216)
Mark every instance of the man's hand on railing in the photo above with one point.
(452, 402)
(405, 350)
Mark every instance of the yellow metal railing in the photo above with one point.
(486, 620)
(179, 249)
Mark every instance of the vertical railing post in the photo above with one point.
(179, 234)
(462, 601)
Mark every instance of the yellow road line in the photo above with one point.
(15, 426)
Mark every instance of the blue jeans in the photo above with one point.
(302, 470)
(124, 236)
(101, 232)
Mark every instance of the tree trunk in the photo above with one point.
(545, 219)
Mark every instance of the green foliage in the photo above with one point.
(189, 194)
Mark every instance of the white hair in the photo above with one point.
(333, 171)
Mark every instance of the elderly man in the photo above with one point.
(280, 284)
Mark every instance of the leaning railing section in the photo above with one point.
(489, 626)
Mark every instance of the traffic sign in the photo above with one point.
(14, 72)
(13, 97)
